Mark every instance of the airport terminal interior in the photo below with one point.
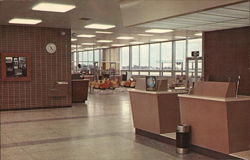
(125, 79)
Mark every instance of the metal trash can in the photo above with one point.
(183, 136)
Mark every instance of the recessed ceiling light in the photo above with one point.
(53, 7)
(158, 30)
(180, 37)
(145, 35)
(198, 34)
(86, 35)
(88, 44)
(74, 46)
(103, 32)
(125, 38)
(158, 40)
(73, 39)
(24, 21)
(104, 41)
(118, 45)
(99, 26)
(136, 42)
(102, 47)
(89, 48)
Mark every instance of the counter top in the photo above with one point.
(229, 99)
(159, 92)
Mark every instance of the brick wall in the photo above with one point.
(46, 68)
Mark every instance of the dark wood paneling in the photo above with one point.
(227, 55)
(47, 69)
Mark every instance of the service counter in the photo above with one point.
(220, 120)
(80, 90)
(155, 111)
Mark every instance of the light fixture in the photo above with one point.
(118, 45)
(73, 39)
(75, 46)
(86, 35)
(24, 21)
(87, 44)
(145, 35)
(88, 48)
(180, 37)
(135, 42)
(99, 26)
(125, 38)
(159, 30)
(53, 7)
(198, 34)
(104, 41)
(103, 32)
(158, 40)
(102, 47)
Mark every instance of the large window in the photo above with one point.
(166, 55)
(163, 58)
(135, 57)
(144, 57)
(124, 54)
(155, 56)
(97, 55)
(180, 49)
(194, 45)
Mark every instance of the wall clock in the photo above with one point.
(51, 48)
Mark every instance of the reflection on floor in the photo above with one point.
(170, 135)
(244, 155)
(101, 129)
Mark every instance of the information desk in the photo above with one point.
(80, 90)
(218, 123)
(156, 112)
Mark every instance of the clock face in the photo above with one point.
(51, 48)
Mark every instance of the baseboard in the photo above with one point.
(197, 149)
(33, 108)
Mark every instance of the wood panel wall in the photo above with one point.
(227, 55)
(46, 68)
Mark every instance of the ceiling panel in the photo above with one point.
(211, 18)
(240, 21)
(227, 13)
(233, 16)
(242, 6)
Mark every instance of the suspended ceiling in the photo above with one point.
(113, 12)
(231, 16)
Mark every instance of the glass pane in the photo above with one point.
(101, 55)
(167, 74)
(74, 56)
(90, 56)
(124, 53)
(194, 45)
(144, 73)
(144, 57)
(97, 56)
(154, 73)
(180, 55)
(85, 56)
(80, 54)
(166, 55)
(155, 56)
(135, 73)
(135, 57)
